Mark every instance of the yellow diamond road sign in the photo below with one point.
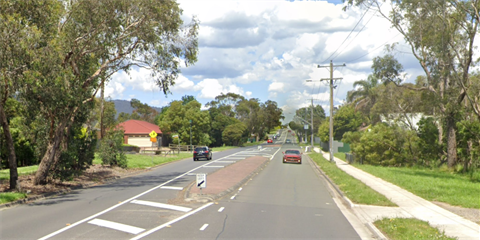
(153, 134)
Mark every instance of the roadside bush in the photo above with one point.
(430, 149)
(111, 150)
(78, 156)
(385, 145)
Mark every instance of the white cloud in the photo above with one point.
(210, 88)
(277, 87)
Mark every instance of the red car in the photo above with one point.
(292, 156)
(269, 141)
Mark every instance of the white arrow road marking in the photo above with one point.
(162, 205)
(116, 226)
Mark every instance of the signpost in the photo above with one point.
(201, 181)
(153, 139)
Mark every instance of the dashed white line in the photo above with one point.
(116, 226)
(162, 205)
(204, 227)
(221, 209)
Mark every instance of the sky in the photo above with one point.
(268, 49)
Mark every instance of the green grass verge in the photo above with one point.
(340, 155)
(6, 197)
(409, 228)
(432, 185)
(248, 144)
(219, 149)
(5, 173)
(136, 161)
(354, 189)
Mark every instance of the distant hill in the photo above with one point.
(124, 106)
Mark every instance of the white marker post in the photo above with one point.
(201, 181)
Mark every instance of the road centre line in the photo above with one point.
(121, 203)
(204, 227)
(116, 226)
(162, 205)
(172, 188)
(171, 222)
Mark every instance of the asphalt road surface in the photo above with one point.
(284, 201)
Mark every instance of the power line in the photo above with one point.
(373, 49)
(347, 36)
(355, 35)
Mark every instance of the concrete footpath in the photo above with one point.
(410, 206)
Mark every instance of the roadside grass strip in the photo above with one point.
(409, 228)
(162, 205)
(5, 173)
(116, 226)
(354, 189)
(432, 185)
(6, 197)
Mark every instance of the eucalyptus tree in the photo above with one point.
(441, 35)
(90, 41)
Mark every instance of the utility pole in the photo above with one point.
(311, 119)
(191, 149)
(331, 103)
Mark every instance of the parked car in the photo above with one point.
(288, 141)
(202, 152)
(269, 141)
(292, 156)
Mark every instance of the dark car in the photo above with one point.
(288, 141)
(202, 152)
(292, 156)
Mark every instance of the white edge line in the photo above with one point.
(214, 166)
(204, 227)
(121, 203)
(117, 226)
(162, 205)
(171, 222)
(221, 209)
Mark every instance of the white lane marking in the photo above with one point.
(221, 209)
(126, 201)
(162, 205)
(172, 188)
(189, 173)
(274, 154)
(214, 166)
(240, 189)
(204, 227)
(238, 158)
(171, 222)
(233, 197)
(116, 226)
(226, 161)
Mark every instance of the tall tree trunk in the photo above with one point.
(451, 141)
(48, 158)
(102, 106)
(12, 161)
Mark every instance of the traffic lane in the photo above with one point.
(48, 215)
(282, 201)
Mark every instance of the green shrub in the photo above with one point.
(111, 150)
(78, 156)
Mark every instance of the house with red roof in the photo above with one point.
(137, 132)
